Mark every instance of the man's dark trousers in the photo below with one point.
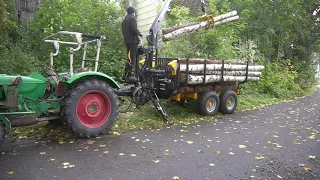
(131, 59)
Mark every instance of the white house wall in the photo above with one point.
(146, 12)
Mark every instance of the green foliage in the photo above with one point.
(278, 80)
(16, 54)
(85, 16)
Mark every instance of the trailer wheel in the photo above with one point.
(208, 103)
(1, 132)
(90, 108)
(228, 102)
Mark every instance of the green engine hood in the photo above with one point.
(32, 86)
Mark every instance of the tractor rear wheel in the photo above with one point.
(2, 133)
(90, 108)
(208, 103)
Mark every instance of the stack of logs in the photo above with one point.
(233, 71)
(179, 31)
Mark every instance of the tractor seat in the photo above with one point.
(81, 70)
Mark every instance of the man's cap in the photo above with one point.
(130, 10)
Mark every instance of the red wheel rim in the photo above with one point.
(93, 109)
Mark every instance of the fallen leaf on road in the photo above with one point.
(242, 146)
(312, 157)
(279, 177)
(121, 154)
(231, 153)
(296, 142)
(96, 150)
(218, 152)
(307, 169)
(116, 133)
(137, 140)
(302, 165)
(133, 155)
(42, 153)
(312, 137)
(259, 157)
(10, 172)
(175, 178)
(165, 154)
(211, 164)
(3, 153)
(90, 142)
(189, 142)
(105, 152)
(52, 159)
(156, 161)
(249, 152)
(102, 145)
(65, 163)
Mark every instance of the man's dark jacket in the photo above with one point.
(130, 31)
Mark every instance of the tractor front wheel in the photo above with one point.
(90, 108)
(1, 132)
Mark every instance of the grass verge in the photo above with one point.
(147, 117)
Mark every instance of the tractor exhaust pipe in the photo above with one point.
(17, 122)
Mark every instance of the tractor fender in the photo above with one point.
(91, 74)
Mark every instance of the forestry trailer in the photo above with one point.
(87, 101)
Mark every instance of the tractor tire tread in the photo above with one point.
(69, 101)
(2, 132)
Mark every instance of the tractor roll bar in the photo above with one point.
(79, 42)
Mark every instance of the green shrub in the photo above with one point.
(277, 80)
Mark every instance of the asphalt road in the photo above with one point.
(281, 141)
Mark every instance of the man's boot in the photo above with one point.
(128, 78)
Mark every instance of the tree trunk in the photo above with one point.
(217, 67)
(198, 79)
(229, 73)
(186, 30)
(201, 61)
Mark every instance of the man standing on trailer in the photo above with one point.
(131, 35)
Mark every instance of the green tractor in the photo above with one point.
(84, 100)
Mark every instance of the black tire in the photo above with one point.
(2, 132)
(58, 122)
(204, 106)
(90, 108)
(228, 102)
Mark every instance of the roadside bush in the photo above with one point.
(277, 80)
